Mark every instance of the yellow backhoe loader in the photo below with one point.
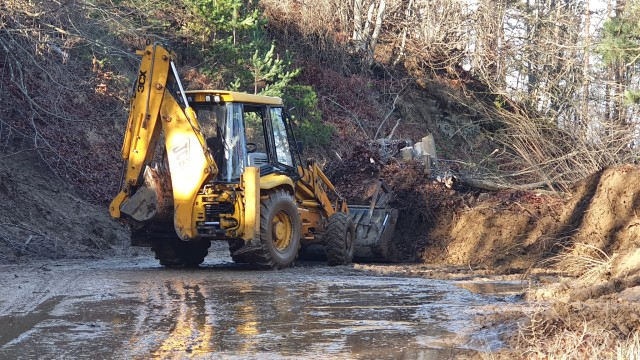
(212, 165)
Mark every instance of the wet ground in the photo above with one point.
(133, 308)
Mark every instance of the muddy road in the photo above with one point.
(133, 308)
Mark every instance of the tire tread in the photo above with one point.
(337, 228)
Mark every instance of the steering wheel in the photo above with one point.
(252, 147)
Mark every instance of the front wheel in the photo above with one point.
(340, 239)
(279, 232)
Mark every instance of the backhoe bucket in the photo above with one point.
(375, 226)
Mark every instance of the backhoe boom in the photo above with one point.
(154, 108)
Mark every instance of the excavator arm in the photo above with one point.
(312, 189)
(153, 108)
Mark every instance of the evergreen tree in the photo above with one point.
(237, 51)
(620, 45)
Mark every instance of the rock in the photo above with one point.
(406, 153)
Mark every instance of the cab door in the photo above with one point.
(283, 143)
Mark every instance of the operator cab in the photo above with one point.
(245, 130)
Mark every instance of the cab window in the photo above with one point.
(254, 128)
(280, 138)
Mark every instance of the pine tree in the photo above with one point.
(231, 33)
(620, 46)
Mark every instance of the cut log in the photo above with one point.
(494, 186)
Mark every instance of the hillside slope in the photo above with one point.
(41, 217)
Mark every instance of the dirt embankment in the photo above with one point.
(40, 217)
(509, 231)
(586, 243)
(581, 250)
(596, 225)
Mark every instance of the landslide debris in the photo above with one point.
(580, 250)
(509, 231)
(417, 198)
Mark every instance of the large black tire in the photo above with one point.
(340, 239)
(279, 233)
(175, 253)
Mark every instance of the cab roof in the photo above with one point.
(232, 96)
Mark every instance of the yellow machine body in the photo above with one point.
(181, 184)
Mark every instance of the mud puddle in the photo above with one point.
(126, 308)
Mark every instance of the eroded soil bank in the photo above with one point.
(42, 218)
(579, 251)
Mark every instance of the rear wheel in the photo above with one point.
(175, 253)
(279, 232)
(340, 239)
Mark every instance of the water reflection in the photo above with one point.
(292, 319)
(495, 287)
(191, 333)
(244, 316)
(205, 314)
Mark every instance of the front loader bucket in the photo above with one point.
(373, 236)
(375, 226)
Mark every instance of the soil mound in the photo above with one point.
(596, 225)
(419, 200)
(42, 218)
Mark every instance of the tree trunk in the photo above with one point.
(357, 21)
(585, 70)
(494, 186)
(376, 31)
(619, 115)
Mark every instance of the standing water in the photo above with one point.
(135, 309)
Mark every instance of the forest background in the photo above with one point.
(516, 91)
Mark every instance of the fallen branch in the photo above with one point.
(495, 186)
